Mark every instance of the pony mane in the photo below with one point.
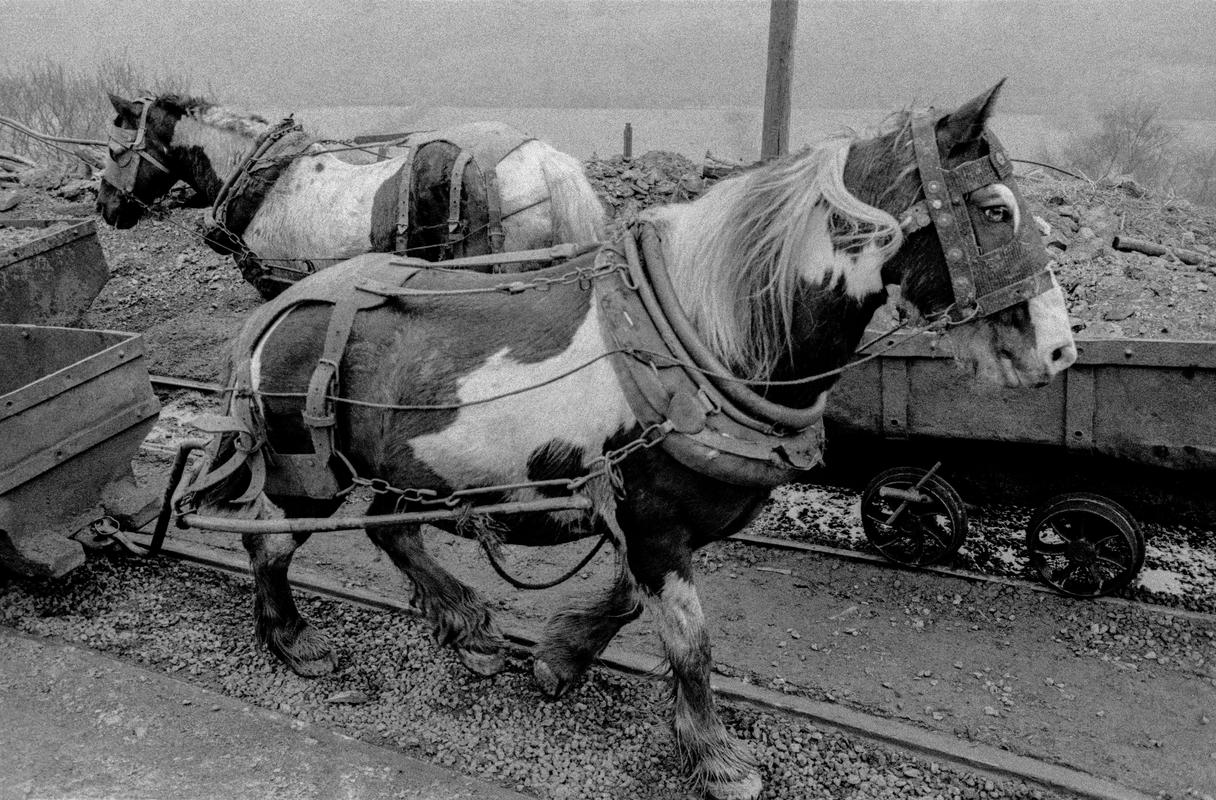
(216, 116)
(738, 254)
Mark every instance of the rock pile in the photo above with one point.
(1112, 293)
(630, 185)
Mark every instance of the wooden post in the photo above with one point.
(782, 23)
(628, 152)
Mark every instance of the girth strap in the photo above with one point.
(319, 414)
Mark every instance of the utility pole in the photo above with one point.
(782, 22)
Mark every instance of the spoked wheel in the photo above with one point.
(912, 516)
(1084, 545)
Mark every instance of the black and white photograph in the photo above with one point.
(607, 399)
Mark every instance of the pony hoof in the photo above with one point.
(309, 654)
(745, 788)
(483, 664)
(551, 684)
(314, 668)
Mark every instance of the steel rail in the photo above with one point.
(774, 543)
(971, 756)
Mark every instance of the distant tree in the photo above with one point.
(1132, 139)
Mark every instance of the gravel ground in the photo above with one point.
(608, 739)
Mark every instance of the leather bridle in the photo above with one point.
(984, 282)
(127, 148)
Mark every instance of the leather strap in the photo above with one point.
(958, 245)
(455, 228)
(494, 207)
(319, 414)
(405, 187)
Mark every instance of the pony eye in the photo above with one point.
(996, 214)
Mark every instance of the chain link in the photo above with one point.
(603, 466)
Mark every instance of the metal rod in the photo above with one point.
(919, 484)
(323, 524)
(175, 476)
(628, 152)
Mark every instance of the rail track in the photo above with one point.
(898, 756)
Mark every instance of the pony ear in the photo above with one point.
(124, 107)
(963, 127)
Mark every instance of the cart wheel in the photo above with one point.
(911, 525)
(1084, 545)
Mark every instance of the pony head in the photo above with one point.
(139, 166)
(1018, 333)
(781, 267)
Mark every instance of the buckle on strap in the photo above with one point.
(1032, 286)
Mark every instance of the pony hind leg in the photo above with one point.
(278, 622)
(574, 637)
(458, 615)
(719, 761)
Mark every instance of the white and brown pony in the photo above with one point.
(331, 200)
(779, 270)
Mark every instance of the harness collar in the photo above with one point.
(243, 191)
(721, 429)
(983, 282)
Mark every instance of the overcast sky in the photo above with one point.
(1057, 54)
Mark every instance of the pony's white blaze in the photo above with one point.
(490, 443)
(1054, 343)
(978, 344)
(319, 207)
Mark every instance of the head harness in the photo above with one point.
(984, 282)
(126, 148)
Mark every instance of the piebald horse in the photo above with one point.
(333, 201)
(778, 269)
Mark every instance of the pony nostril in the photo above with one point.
(1064, 356)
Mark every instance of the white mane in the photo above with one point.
(737, 254)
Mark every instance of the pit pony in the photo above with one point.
(667, 381)
(285, 203)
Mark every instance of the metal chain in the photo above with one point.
(605, 465)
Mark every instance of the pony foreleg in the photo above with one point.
(277, 620)
(575, 636)
(718, 760)
(458, 614)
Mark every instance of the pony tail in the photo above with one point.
(578, 215)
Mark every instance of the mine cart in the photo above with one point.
(74, 407)
(1126, 408)
(50, 270)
